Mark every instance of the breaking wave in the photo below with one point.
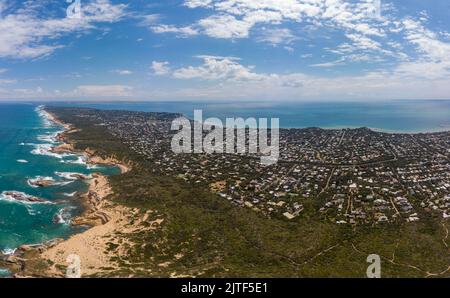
(73, 175)
(70, 194)
(21, 198)
(33, 182)
(63, 216)
(8, 251)
(44, 116)
(45, 149)
(81, 160)
(51, 138)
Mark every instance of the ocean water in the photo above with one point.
(407, 116)
(25, 137)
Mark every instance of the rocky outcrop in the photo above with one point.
(94, 158)
(21, 197)
(63, 148)
(41, 182)
(80, 176)
(24, 262)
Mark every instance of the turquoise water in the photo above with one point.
(391, 116)
(25, 137)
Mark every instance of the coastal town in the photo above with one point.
(350, 176)
(332, 191)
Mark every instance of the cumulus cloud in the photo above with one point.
(160, 68)
(225, 26)
(236, 18)
(218, 68)
(366, 25)
(25, 34)
(363, 37)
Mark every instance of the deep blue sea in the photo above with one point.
(25, 139)
(390, 116)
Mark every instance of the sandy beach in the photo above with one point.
(106, 220)
(103, 220)
(104, 217)
(53, 118)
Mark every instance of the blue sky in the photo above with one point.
(240, 50)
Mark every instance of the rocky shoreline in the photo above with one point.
(22, 197)
(69, 147)
(101, 216)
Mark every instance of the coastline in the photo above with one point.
(100, 215)
(90, 155)
(102, 218)
(198, 223)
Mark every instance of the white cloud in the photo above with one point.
(123, 72)
(180, 31)
(197, 3)
(103, 91)
(329, 64)
(218, 68)
(24, 34)
(83, 91)
(426, 41)
(368, 33)
(236, 18)
(229, 71)
(302, 87)
(363, 42)
(226, 77)
(3, 70)
(6, 81)
(160, 68)
(150, 20)
(225, 26)
(276, 36)
(434, 62)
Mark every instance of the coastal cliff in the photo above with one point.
(103, 221)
